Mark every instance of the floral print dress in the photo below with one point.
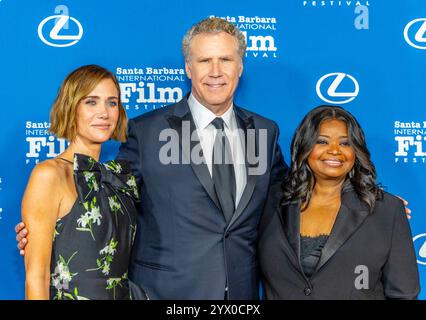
(92, 244)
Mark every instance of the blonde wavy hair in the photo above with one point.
(76, 86)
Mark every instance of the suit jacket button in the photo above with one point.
(307, 291)
(227, 235)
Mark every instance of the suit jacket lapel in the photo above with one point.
(351, 215)
(245, 123)
(182, 118)
(290, 223)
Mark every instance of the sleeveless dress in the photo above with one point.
(92, 244)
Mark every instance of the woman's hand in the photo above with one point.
(21, 237)
(407, 210)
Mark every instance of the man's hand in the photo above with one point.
(21, 237)
(407, 210)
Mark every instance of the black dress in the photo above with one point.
(92, 244)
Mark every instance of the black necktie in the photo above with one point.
(223, 171)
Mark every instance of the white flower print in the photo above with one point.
(90, 217)
(95, 215)
(131, 182)
(64, 273)
(106, 269)
(114, 167)
(56, 282)
(104, 263)
(91, 181)
(95, 185)
(114, 205)
(112, 283)
(62, 276)
(84, 220)
(88, 175)
(110, 249)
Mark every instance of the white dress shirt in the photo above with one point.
(207, 134)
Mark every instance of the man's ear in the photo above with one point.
(187, 69)
(241, 69)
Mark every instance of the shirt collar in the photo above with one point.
(203, 116)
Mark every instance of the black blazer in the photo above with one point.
(375, 250)
(184, 247)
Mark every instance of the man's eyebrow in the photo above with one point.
(230, 56)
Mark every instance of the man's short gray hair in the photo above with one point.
(214, 25)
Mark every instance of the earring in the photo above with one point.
(351, 173)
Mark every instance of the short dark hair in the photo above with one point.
(300, 181)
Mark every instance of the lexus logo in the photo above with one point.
(329, 91)
(415, 33)
(420, 246)
(51, 29)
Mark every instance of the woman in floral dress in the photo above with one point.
(81, 213)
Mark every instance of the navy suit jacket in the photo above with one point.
(184, 248)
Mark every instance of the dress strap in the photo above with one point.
(65, 160)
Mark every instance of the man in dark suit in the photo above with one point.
(198, 217)
(204, 168)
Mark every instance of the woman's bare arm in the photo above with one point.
(40, 206)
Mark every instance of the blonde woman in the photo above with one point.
(80, 212)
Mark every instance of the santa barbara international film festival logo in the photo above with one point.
(337, 88)
(60, 29)
(260, 34)
(420, 247)
(148, 88)
(415, 33)
(410, 138)
(41, 144)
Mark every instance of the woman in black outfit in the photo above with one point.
(336, 234)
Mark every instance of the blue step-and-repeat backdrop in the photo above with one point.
(367, 56)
